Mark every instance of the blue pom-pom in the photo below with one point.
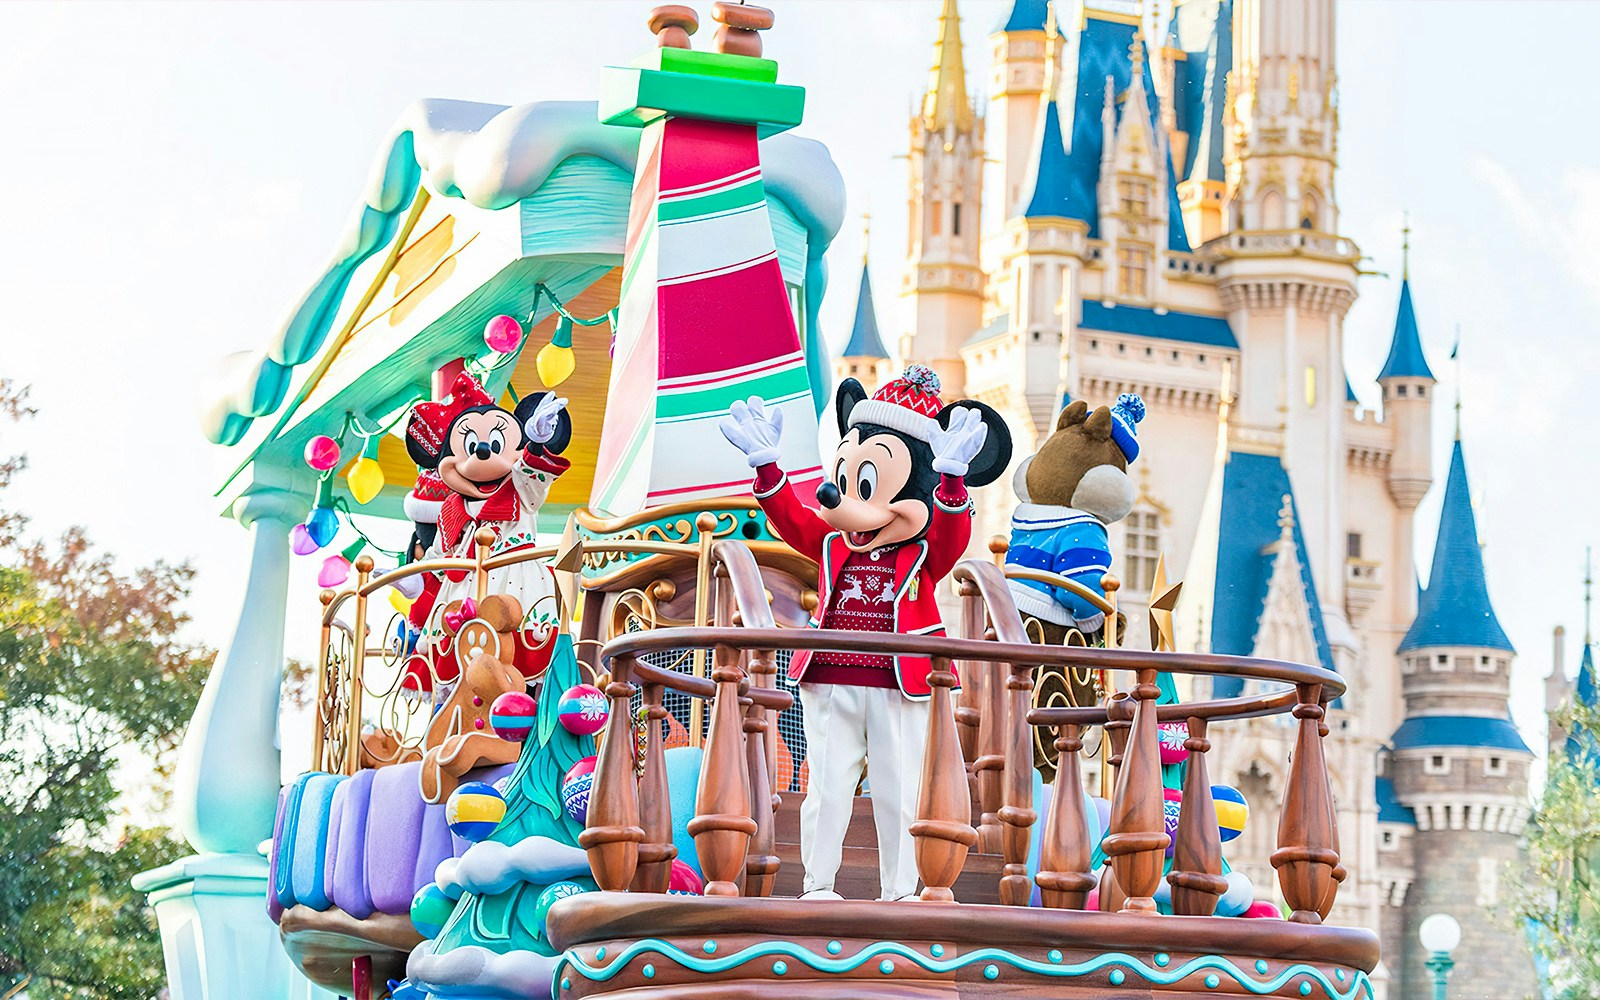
(1132, 407)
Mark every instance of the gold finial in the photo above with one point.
(946, 101)
(1136, 54)
(1588, 595)
(1455, 355)
(866, 233)
(1052, 52)
(1286, 518)
(1405, 247)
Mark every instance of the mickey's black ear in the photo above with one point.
(992, 459)
(563, 435)
(845, 399)
(419, 454)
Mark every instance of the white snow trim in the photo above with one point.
(894, 417)
(491, 867)
(422, 511)
(478, 972)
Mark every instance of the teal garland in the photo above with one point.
(1359, 986)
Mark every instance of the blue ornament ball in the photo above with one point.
(575, 789)
(1232, 810)
(430, 908)
(554, 893)
(474, 810)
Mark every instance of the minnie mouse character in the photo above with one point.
(483, 467)
(894, 519)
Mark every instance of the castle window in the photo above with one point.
(1422, 391)
(1408, 665)
(1400, 391)
(1352, 545)
(1441, 663)
(955, 219)
(1202, 359)
(1094, 345)
(1142, 548)
(1485, 665)
(1133, 270)
(938, 217)
(1133, 197)
(1436, 764)
(1388, 838)
(1494, 767)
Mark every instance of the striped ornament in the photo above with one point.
(474, 810)
(1232, 810)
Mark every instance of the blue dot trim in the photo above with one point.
(710, 947)
(991, 972)
(599, 954)
(834, 947)
(1054, 956)
(1212, 982)
(886, 966)
(1162, 958)
(1117, 977)
(779, 968)
(937, 951)
(649, 972)
(1261, 966)
(1305, 989)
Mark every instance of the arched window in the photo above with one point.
(1311, 210)
(1272, 210)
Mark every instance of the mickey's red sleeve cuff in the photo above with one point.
(768, 478)
(951, 493)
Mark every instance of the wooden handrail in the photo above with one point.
(1077, 589)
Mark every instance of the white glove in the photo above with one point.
(751, 429)
(541, 427)
(955, 447)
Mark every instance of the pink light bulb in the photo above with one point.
(322, 453)
(503, 334)
(335, 571)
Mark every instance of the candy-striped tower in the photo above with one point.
(704, 317)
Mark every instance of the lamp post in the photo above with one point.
(1439, 935)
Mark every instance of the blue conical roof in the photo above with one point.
(1051, 196)
(1406, 359)
(1455, 609)
(1025, 15)
(1581, 742)
(864, 339)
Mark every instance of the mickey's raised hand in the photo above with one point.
(955, 446)
(754, 431)
(542, 423)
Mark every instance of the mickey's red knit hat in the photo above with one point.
(909, 404)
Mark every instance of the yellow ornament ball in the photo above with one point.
(365, 478)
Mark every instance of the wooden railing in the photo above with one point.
(731, 801)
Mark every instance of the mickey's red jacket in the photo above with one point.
(918, 566)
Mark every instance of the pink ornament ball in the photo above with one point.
(1170, 737)
(322, 453)
(1262, 909)
(583, 710)
(503, 334)
(1171, 809)
(683, 881)
(511, 715)
(575, 789)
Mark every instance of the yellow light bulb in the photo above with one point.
(555, 363)
(365, 478)
(399, 602)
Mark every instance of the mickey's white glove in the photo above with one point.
(541, 426)
(754, 431)
(955, 447)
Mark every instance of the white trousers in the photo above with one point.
(845, 727)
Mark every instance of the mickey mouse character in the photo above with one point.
(483, 466)
(894, 519)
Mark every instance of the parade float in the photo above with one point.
(558, 746)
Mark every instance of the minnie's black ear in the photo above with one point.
(419, 454)
(845, 399)
(563, 435)
(992, 459)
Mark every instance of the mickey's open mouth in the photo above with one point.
(487, 485)
(861, 539)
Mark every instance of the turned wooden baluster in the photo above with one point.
(657, 851)
(761, 863)
(1196, 876)
(1308, 837)
(1136, 847)
(722, 826)
(1119, 722)
(990, 697)
(1018, 813)
(613, 834)
(969, 700)
(1064, 856)
(942, 831)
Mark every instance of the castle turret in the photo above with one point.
(1458, 761)
(943, 280)
(1407, 383)
(1016, 85)
(1556, 689)
(864, 357)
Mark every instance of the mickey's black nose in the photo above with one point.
(482, 451)
(828, 495)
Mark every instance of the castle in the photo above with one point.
(1168, 225)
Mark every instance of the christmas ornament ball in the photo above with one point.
(1170, 736)
(474, 810)
(430, 908)
(511, 715)
(575, 789)
(582, 710)
(1232, 810)
(1171, 808)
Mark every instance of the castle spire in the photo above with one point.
(1455, 609)
(946, 101)
(1406, 359)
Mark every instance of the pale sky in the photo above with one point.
(177, 173)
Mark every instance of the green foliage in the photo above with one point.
(533, 796)
(92, 673)
(1556, 889)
